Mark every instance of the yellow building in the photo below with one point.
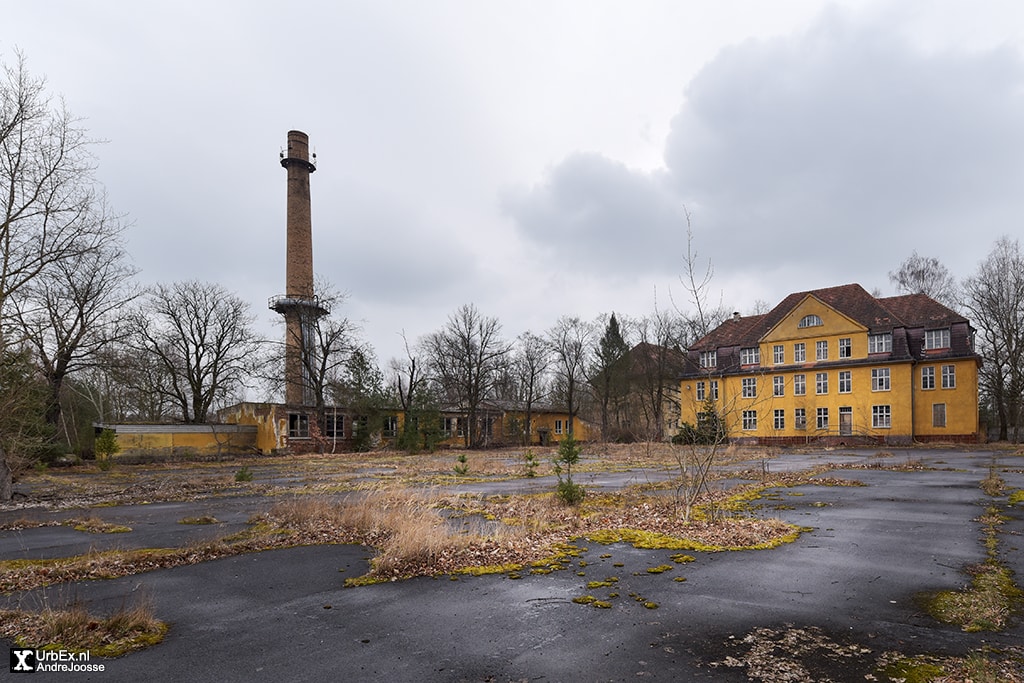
(840, 366)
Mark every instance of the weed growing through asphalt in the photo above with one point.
(992, 599)
(130, 628)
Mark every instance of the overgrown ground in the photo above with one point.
(414, 512)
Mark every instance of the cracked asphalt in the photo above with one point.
(284, 615)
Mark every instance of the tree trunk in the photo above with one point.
(6, 478)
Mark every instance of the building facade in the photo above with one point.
(837, 365)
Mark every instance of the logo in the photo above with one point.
(22, 661)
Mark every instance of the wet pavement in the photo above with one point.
(284, 615)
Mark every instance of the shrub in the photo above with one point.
(568, 455)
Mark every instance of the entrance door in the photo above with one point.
(845, 421)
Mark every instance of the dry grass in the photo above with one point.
(132, 627)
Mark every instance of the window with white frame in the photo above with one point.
(800, 352)
(881, 417)
(845, 348)
(780, 418)
(938, 415)
(949, 377)
(821, 383)
(749, 419)
(880, 379)
(822, 418)
(936, 339)
(880, 343)
(714, 390)
(778, 386)
(558, 426)
(708, 359)
(845, 382)
(750, 356)
(799, 385)
(821, 350)
(390, 426)
(800, 418)
(779, 354)
(928, 378)
(701, 388)
(810, 321)
(749, 387)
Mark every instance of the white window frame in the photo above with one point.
(936, 339)
(810, 320)
(800, 385)
(749, 387)
(928, 378)
(880, 343)
(880, 379)
(779, 354)
(701, 391)
(714, 390)
(800, 418)
(750, 356)
(780, 419)
(949, 377)
(749, 420)
(709, 359)
(846, 348)
(881, 417)
(800, 352)
(845, 381)
(778, 386)
(821, 383)
(822, 418)
(821, 349)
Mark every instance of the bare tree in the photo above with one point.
(48, 195)
(657, 361)
(329, 344)
(202, 337)
(530, 362)
(465, 357)
(411, 387)
(696, 281)
(925, 275)
(73, 311)
(569, 340)
(994, 299)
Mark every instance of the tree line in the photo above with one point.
(81, 341)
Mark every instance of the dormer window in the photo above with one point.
(708, 359)
(750, 356)
(880, 343)
(810, 321)
(936, 339)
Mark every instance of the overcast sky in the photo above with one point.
(537, 158)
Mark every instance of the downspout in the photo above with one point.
(913, 401)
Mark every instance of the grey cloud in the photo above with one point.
(827, 155)
(847, 136)
(593, 212)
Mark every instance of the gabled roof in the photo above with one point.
(853, 301)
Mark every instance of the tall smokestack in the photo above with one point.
(299, 304)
